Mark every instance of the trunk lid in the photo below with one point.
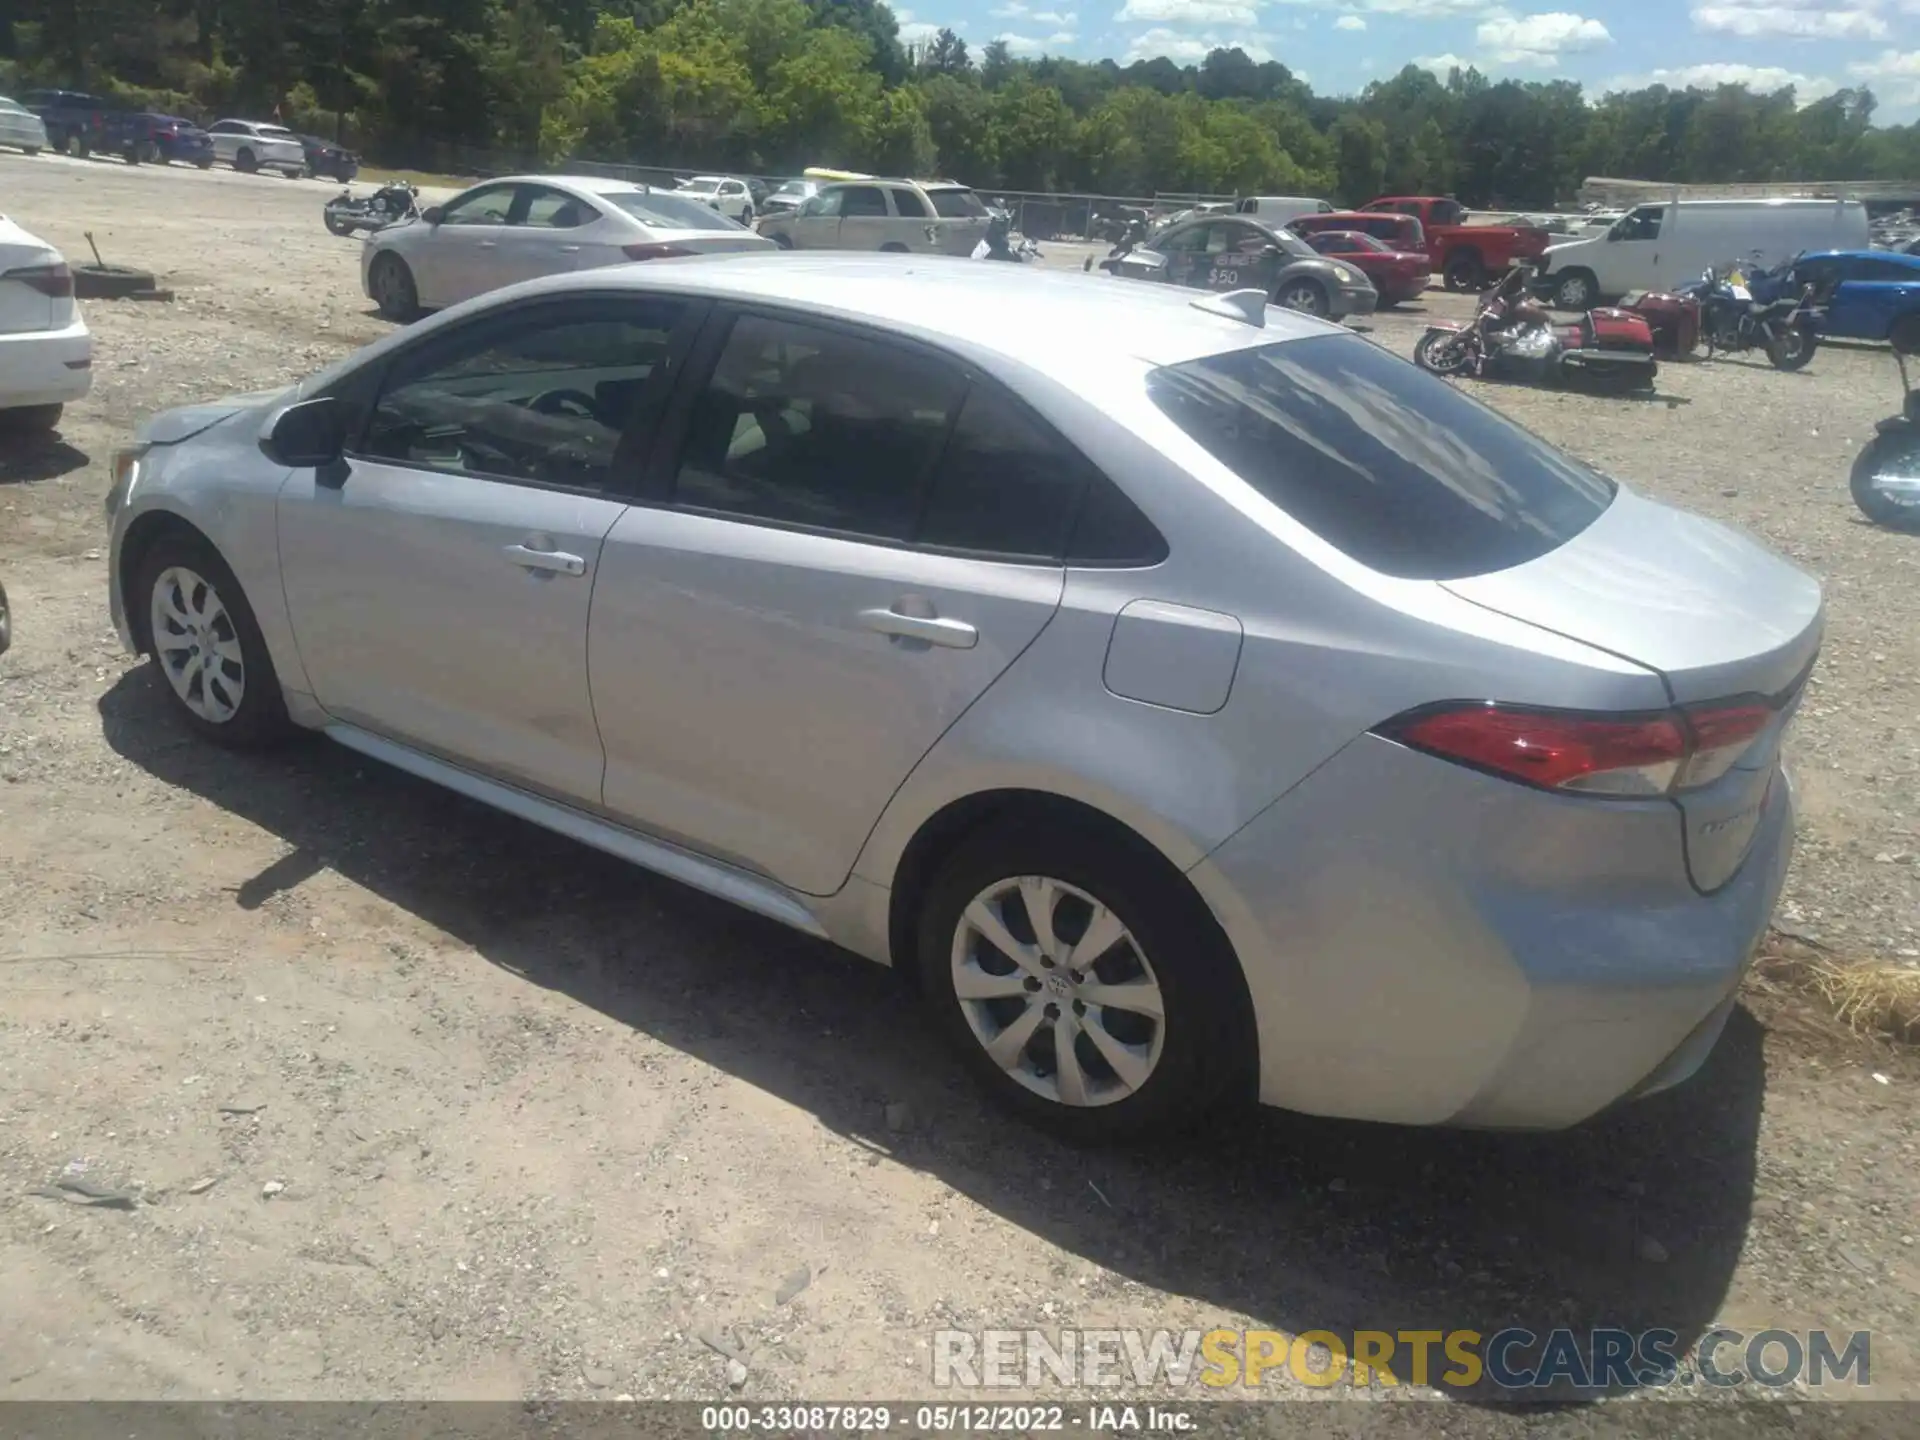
(716, 242)
(1717, 615)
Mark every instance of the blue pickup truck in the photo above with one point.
(76, 121)
(1868, 294)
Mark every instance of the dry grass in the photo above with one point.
(425, 179)
(1869, 997)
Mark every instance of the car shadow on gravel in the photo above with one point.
(45, 456)
(1634, 1221)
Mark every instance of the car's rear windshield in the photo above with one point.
(667, 211)
(956, 204)
(1390, 465)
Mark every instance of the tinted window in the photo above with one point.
(863, 200)
(908, 203)
(826, 203)
(660, 210)
(1006, 485)
(1642, 224)
(544, 402)
(1388, 464)
(815, 427)
(957, 204)
(557, 210)
(1112, 531)
(480, 207)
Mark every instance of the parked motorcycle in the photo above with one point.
(388, 205)
(1000, 243)
(1512, 337)
(1886, 474)
(1132, 235)
(1767, 312)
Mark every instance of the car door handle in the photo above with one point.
(569, 249)
(954, 634)
(489, 244)
(558, 561)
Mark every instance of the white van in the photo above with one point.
(1277, 210)
(1659, 246)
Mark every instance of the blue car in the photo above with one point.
(1867, 294)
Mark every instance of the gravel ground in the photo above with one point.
(418, 1101)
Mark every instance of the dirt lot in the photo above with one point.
(422, 1102)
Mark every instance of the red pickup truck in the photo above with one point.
(1467, 256)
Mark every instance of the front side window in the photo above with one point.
(544, 402)
(826, 205)
(1642, 224)
(480, 207)
(1390, 465)
(815, 427)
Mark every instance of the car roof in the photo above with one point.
(1912, 262)
(585, 184)
(1048, 320)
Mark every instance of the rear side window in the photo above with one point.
(658, 210)
(908, 203)
(1391, 466)
(955, 204)
(1005, 486)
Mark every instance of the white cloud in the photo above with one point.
(1349, 22)
(1191, 49)
(1894, 76)
(1062, 18)
(1189, 12)
(918, 32)
(1804, 19)
(1539, 39)
(1761, 79)
(1028, 46)
(1427, 9)
(1441, 64)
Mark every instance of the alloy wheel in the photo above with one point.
(1305, 297)
(196, 644)
(1057, 991)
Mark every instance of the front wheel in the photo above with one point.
(1792, 347)
(393, 288)
(207, 645)
(31, 417)
(206, 164)
(1574, 290)
(29, 150)
(1309, 297)
(1886, 479)
(1444, 352)
(246, 162)
(1085, 987)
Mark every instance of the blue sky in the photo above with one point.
(1339, 45)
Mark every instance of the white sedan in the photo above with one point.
(520, 227)
(20, 128)
(46, 353)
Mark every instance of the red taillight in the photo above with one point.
(55, 281)
(653, 252)
(1617, 755)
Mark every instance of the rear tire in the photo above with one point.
(29, 150)
(203, 164)
(241, 705)
(1905, 336)
(1884, 452)
(894, 247)
(1464, 272)
(1172, 1068)
(393, 288)
(335, 224)
(1793, 348)
(31, 417)
(782, 241)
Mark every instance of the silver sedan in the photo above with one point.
(20, 128)
(1199, 700)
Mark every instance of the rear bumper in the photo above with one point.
(1427, 945)
(46, 367)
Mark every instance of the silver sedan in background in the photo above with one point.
(1229, 252)
(20, 128)
(521, 227)
(1199, 700)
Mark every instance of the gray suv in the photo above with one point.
(1232, 252)
(929, 217)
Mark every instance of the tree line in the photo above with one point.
(772, 86)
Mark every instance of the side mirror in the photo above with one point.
(306, 435)
(432, 214)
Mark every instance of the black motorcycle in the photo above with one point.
(1000, 245)
(1128, 240)
(1886, 475)
(388, 205)
(1766, 313)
